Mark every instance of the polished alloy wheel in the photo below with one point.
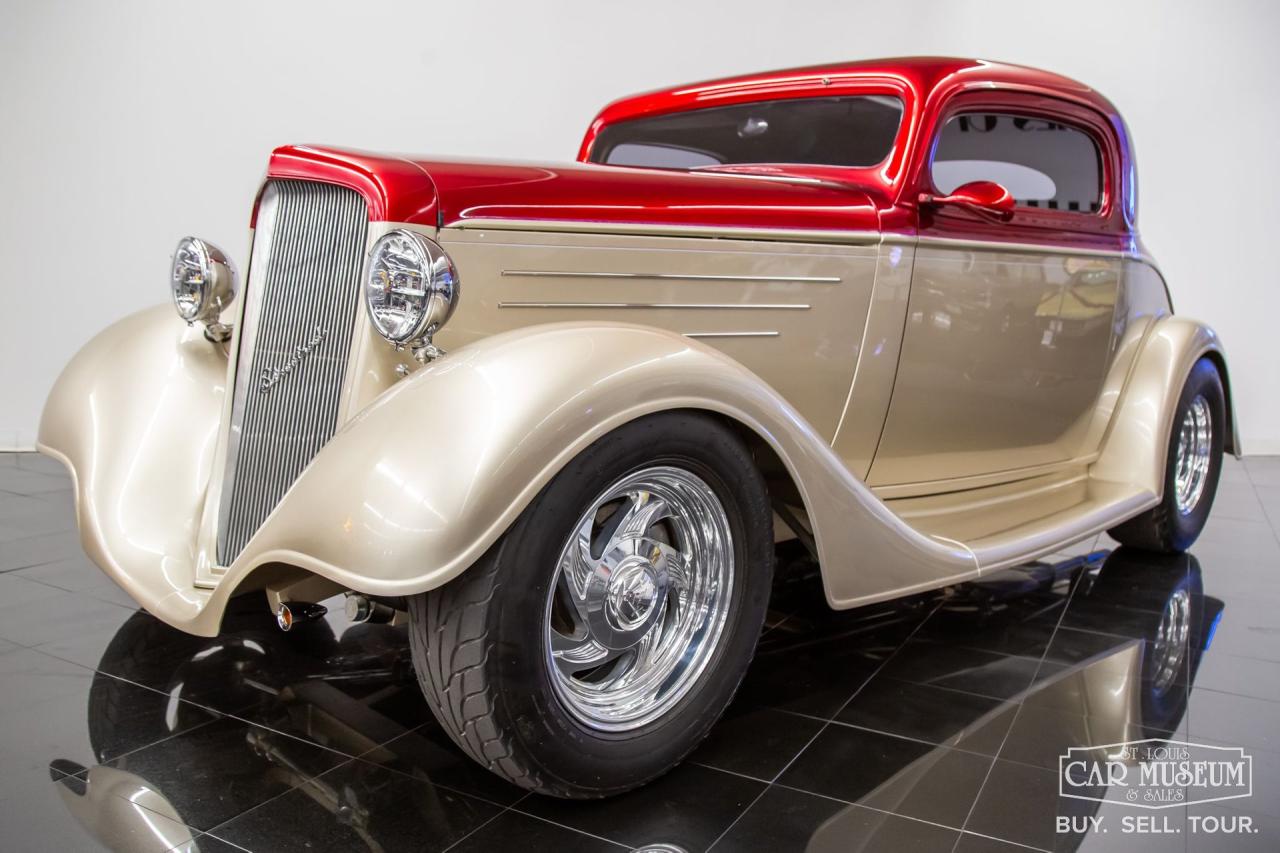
(1195, 445)
(642, 590)
(1170, 644)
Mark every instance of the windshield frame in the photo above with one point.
(888, 174)
(814, 100)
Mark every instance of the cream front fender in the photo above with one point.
(134, 416)
(414, 489)
(1135, 450)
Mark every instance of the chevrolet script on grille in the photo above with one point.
(273, 376)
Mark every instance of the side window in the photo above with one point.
(1041, 163)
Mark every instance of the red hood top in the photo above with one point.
(447, 192)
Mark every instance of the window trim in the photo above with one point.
(866, 89)
(1036, 105)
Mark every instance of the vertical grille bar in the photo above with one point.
(294, 352)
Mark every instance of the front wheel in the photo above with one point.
(595, 644)
(1192, 468)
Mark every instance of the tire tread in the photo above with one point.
(453, 649)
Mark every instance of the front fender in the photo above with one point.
(414, 489)
(134, 417)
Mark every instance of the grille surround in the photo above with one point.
(300, 314)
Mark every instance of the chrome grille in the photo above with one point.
(301, 304)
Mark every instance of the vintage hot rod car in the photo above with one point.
(557, 417)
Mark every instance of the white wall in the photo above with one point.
(125, 125)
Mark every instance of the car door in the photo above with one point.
(1011, 324)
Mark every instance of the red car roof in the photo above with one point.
(922, 77)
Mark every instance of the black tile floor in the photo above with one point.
(934, 723)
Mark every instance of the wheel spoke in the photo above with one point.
(674, 561)
(647, 649)
(644, 511)
(572, 655)
(576, 567)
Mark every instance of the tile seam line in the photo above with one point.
(959, 749)
(361, 758)
(134, 609)
(220, 714)
(1075, 587)
(515, 808)
(879, 810)
(1275, 532)
(36, 566)
(801, 751)
(499, 806)
(213, 830)
(483, 824)
(741, 815)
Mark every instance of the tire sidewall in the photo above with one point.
(555, 741)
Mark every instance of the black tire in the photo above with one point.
(479, 642)
(1163, 528)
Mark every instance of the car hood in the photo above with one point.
(447, 192)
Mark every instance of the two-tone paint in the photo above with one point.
(849, 333)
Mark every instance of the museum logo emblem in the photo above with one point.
(1155, 773)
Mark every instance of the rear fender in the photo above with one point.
(1136, 446)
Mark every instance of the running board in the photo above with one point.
(1107, 505)
(1016, 522)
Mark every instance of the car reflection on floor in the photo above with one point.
(1123, 689)
(339, 728)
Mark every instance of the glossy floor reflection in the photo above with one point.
(929, 724)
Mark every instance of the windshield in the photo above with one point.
(839, 131)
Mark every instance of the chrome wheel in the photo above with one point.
(640, 598)
(1194, 448)
(1170, 644)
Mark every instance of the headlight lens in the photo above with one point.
(192, 272)
(202, 279)
(411, 287)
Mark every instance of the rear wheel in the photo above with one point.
(1192, 468)
(599, 639)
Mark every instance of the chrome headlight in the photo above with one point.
(411, 287)
(202, 279)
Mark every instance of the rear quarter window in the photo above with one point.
(1042, 163)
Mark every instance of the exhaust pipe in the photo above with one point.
(362, 608)
(291, 613)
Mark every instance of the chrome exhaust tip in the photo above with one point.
(291, 613)
(361, 609)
